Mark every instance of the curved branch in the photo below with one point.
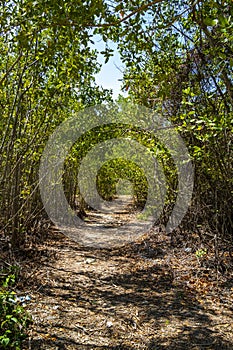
(105, 25)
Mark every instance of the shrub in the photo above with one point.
(14, 320)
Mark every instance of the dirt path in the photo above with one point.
(145, 295)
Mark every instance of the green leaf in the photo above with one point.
(210, 22)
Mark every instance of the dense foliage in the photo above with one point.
(179, 61)
(14, 320)
(47, 72)
(178, 58)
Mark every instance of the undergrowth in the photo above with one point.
(14, 320)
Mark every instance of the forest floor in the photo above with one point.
(148, 294)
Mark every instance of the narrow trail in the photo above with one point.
(143, 295)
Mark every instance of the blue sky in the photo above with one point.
(111, 72)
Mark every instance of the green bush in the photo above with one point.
(14, 320)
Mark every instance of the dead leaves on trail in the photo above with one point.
(145, 295)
